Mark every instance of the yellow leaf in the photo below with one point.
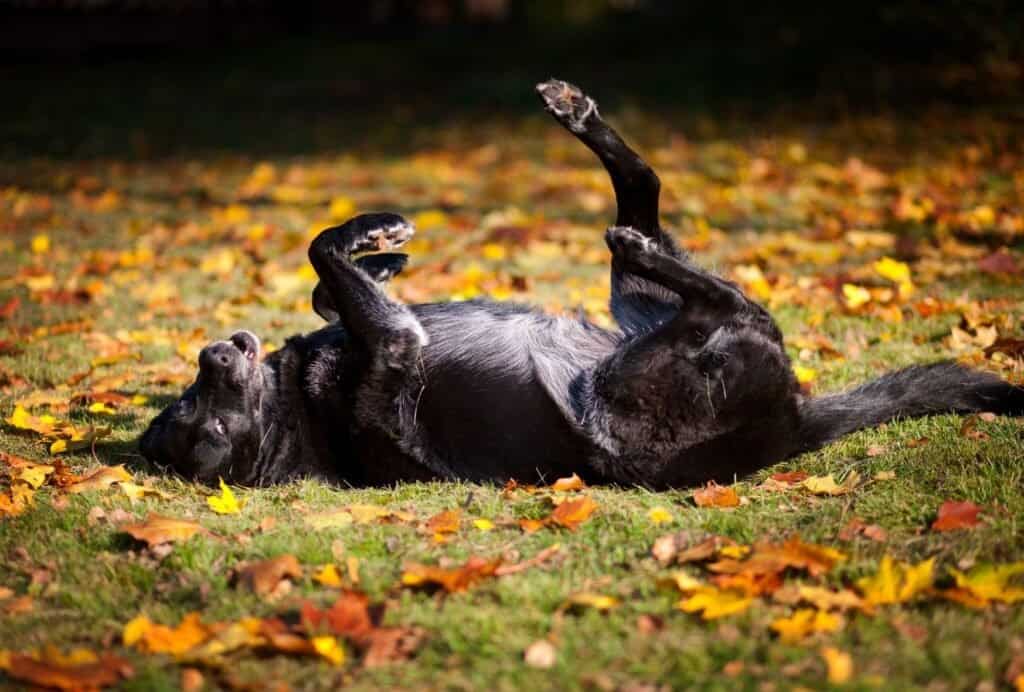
(334, 519)
(896, 582)
(659, 515)
(329, 648)
(684, 582)
(40, 244)
(715, 603)
(992, 582)
(31, 473)
(78, 439)
(328, 576)
(102, 407)
(805, 375)
(753, 280)
(493, 251)
(430, 218)
(23, 420)
(893, 270)
(149, 637)
(483, 524)
(587, 599)
(826, 485)
(803, 622)
(364, 514)
(839, 665)
(855, 296)
(226, 502)
(342, 209)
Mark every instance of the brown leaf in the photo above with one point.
(158, 529)
(790, 477)
(766, 558)
(539, 558)
(266, 577)
(444, 522)
(385, 645)
(101, 478)
(715, 495)
(956, 515)
(999, 262)
(451, 580)
(78, 671)
(856, 527)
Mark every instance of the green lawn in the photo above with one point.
(160, 255)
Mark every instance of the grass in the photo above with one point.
(87, 579)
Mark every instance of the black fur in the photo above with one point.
(694, 386)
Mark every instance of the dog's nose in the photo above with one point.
(217, 355)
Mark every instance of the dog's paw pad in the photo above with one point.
(567, 103)
(623, 241)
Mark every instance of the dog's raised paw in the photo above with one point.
(567, 103)
(628, 244)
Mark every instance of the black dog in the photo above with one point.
(695, 386)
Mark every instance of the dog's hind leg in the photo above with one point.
(637, 304)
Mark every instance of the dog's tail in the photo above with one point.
(916, 391)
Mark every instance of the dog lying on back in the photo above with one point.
(694, 385)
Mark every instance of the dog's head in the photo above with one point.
(215, 428)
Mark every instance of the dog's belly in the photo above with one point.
(493, 426)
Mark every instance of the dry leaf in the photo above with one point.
(268, 577)
(956, 515)
(588, 599)
(803, 622)
(451, 580)
(444, 523)
(839, 665)
(149, 637)
(659, 515)
(80, 670)
(896, 582)
(158, 529)
(573, 482)
(101, 478)
(715, 495)
(826, 485)
(986, 583)
(329, 576)
(714, 603)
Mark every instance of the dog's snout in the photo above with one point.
(216, 355)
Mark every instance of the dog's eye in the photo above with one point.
(218, 425)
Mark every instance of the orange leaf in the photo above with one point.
(349, 616)
(573, 482)
(451, 580)
(790, 477)
(573, 513)
(100, 671)
(158, 529)
(153, 638)
(715, 495)
(445, 522)
(103, 477)
(956, 515)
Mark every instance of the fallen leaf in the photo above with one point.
(329, 648)
(992, 582)
(444, 523)
(157, 529)
(81, 670)
(225, 503)
(573, 482)
(328, 576)
(826, 485)
(767, 558)
(659, 515)
(715, 603)
(896, 582)
(571, 514)
(790, 477)
(839, 665)
(101, 478)
(483, 524)
(596, 601)
(268, 577)
(451, 580)
(956, 515)
(803, 622)
(149, 637)
(715, 495)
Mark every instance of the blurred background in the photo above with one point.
(148, 78)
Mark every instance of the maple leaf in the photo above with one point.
(444, 523)
(159, 529)
(715, 603)
(571, 514)
(715, 495)
(896, 582)
(79, 670)
(451, 580)
(225, 503)
(803, 622)
(956, 515)
(766, 558)
(987, 583)
(149, 637)
(268, 577)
